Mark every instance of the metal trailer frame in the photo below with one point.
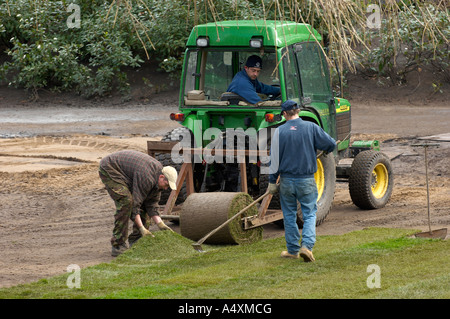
(264, 216)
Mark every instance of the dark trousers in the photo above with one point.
(123, 200)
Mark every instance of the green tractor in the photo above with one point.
(211, 118)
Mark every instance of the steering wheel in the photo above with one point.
(274, 97)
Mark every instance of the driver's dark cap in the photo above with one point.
(289, 105)
(254, 61)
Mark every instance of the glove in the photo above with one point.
(145, 232)
(163, 226)
(273, 188)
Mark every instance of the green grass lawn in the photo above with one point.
(168, 267)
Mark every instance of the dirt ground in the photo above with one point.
(54, 210)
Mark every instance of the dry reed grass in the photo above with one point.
(343, 22)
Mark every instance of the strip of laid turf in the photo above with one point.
(168, 267)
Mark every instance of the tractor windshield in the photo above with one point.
(212, 71)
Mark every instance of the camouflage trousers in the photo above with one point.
(123, 200)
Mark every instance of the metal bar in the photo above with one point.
(170, 217)
(159, 147)
(243, 172)
(166, 147)
(264, 206)
(428, 190)
(266, 202)
(256, 220)
(185, 171)
(425, 146)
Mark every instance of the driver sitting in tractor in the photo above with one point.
(246, 84)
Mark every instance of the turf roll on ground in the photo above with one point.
(203, 212)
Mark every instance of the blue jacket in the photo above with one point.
(293, 149)
(248, 88)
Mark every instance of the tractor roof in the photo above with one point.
(239, 32)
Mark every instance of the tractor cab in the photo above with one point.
(212, 71)
(292, 60)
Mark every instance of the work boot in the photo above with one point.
(306, 254)
(117, 250)
(285, 254)
(131, 242)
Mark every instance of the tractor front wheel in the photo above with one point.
(371, 180)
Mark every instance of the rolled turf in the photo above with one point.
(203, 212)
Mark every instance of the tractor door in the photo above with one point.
(315, 83)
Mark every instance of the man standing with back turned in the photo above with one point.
(293, 157)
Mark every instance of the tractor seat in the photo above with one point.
(232, 98)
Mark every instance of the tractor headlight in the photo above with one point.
(256, 43)
(202, 42)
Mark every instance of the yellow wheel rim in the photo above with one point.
(380, 180)
(319, 176)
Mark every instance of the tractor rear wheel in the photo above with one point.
(178, 134)
(371, 180)
(326, 183)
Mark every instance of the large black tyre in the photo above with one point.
(165, 159)
(326, 183)
(371, 180)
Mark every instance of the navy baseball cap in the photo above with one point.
(289, 105)
(254, 61)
